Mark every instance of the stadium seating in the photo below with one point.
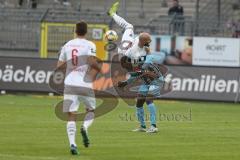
(139, 9)
(20, 27)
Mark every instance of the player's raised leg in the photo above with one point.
(152, 109)
(128, 35)
(119, 20)
(114, 8)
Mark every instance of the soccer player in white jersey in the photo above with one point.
(72, 54)
(136, 49)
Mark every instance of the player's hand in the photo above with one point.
(149, 75)
(122, 84)
(147, 49)
(168, 78)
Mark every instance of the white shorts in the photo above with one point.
(71, 102)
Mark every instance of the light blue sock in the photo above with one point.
(140, 116)
(152, 110)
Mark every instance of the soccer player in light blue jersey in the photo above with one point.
(137, 51)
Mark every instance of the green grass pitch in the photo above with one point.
(29, 130)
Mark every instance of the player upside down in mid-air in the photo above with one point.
(136, 50)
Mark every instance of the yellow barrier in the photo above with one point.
(54, 35)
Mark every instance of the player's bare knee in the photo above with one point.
(140, 102)
(90, 110)
(72, 116)
(149, 102)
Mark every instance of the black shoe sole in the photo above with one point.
(86, 142)
(74, 152)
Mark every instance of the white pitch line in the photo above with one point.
(28, 157)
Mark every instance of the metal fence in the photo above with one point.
(213, 17)
(186, 26)
(20, 28)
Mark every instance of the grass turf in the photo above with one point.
(29, 130)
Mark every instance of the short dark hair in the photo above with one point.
(81, 28)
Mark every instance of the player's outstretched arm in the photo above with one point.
(60, 64)
(122, 84)
(95, 63)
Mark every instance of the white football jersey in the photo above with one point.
(71, 53)
(135, 51)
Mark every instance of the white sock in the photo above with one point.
(71, 131)
(88, 120)
(122, 22)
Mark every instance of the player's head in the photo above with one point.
(81, 28)
(175, 2)
(144, 39)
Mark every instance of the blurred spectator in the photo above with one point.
(177, 12)
(176, 9)
(20, 3)
(236, 5)
(181, 56)
(64, 2)
(32, 2)
(234, 25)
